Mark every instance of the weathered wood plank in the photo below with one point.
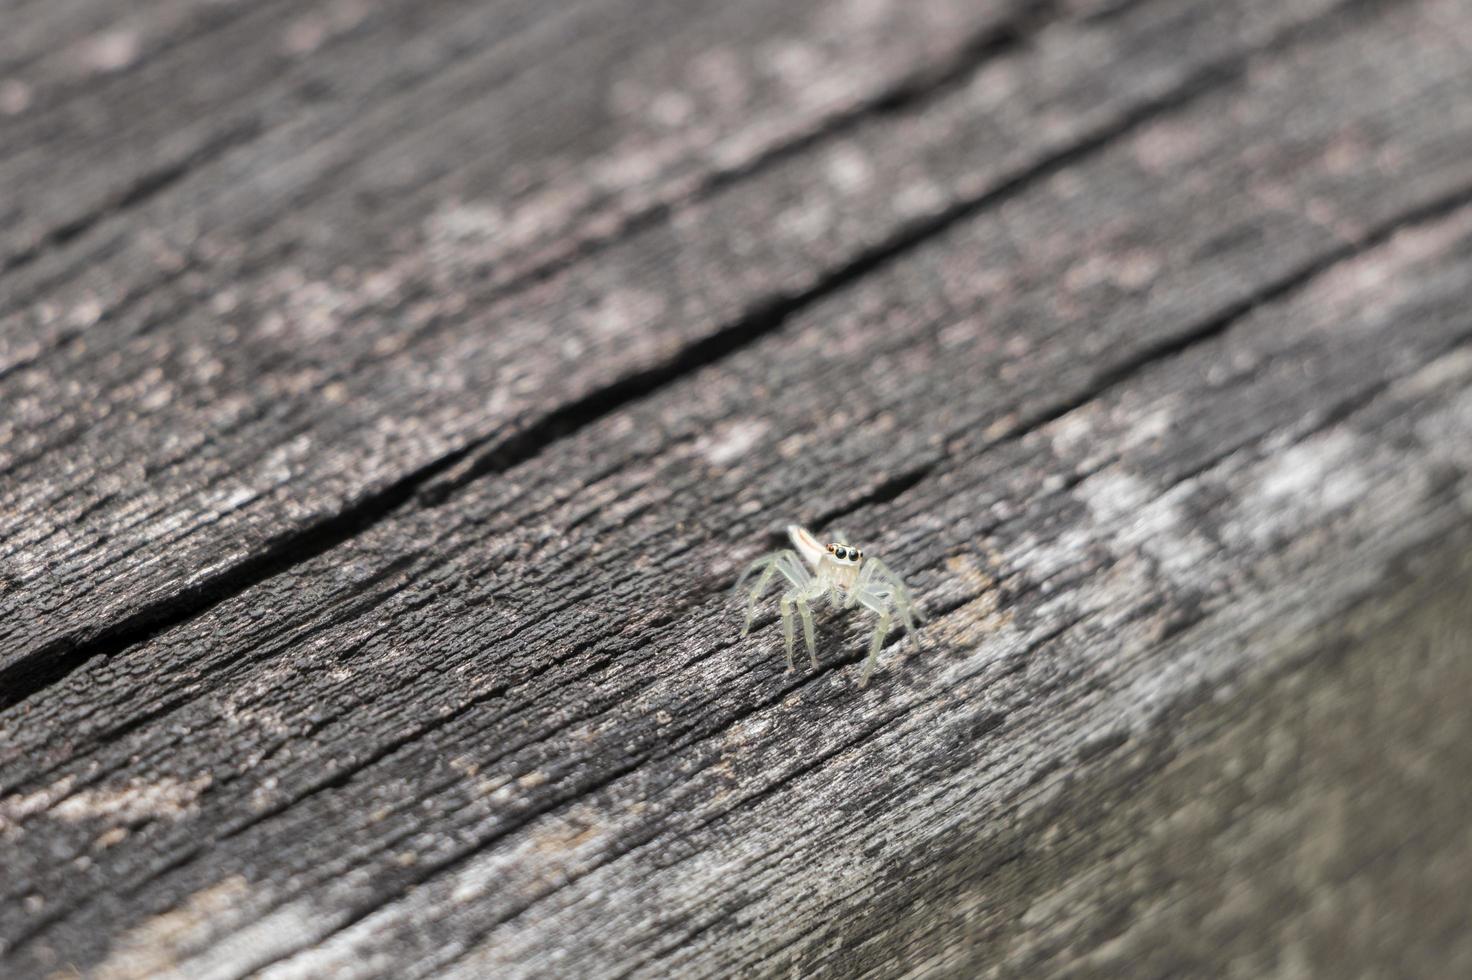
(1016, 675)
(312, 69)
(1268, 214)
(173, 471)
(979, 233)
(362, 92)
(409, 753)
(53, 48)
(665, 857)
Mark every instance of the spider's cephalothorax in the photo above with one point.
(839, 573)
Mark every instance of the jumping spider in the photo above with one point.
(841, 574)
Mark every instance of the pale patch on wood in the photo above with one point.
(731, 442)
(15, 96)
(1139, 517)
(109, 51)
(1305, 481)
(134, 802)
(150, 949)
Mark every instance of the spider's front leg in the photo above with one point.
(879, 581)
(881, 591)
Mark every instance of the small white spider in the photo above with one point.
(840, 574)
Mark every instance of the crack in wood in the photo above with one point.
(1089, 751)
(1170, 347)
(1335, 392)
(510, 830)
(434, 482)
(886, 492)
(143, 189)
(47, 665)
(923, 86)
(1165, 355)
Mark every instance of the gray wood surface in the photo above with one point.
(386, 419)
(180, 471)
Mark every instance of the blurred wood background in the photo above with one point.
(390, 391)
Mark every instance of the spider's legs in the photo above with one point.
(879, 581)
(870, 598)
(870, 589)
(868, 574)
(787, 564)
(799, 598)
(783, 562)
(880, 632)
(880, 591)
(787, 630)
(756, 592)
(805, 589)
(904, 605)
(808, 632)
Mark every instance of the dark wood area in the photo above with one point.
(391, 391)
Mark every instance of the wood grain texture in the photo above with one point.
(1164, 405)
(179, 463)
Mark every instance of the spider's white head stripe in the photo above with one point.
(808, 546)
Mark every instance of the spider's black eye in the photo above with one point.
(843, 553)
